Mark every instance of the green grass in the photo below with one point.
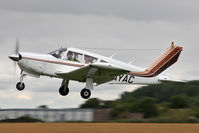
(186, 115)
(178, 114)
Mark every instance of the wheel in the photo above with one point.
(85, 93)
(20, 86)
(63, 90)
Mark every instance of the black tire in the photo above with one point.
(20, 86)
(63, 90)
(85, 93)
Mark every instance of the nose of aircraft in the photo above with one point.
(15, 57)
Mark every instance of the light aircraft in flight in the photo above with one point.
(93, 69)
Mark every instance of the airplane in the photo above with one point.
(90, 68)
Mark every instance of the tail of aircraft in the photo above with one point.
(168, 58)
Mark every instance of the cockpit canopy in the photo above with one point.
(58, 53)
(73, 55)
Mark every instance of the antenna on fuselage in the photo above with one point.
(130, 62)
(112, 55)
(122, 49)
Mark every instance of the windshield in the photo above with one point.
(58, 53)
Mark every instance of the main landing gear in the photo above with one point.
(63, 90)
(20, 85)
(85, 93)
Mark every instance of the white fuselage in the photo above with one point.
(78, 65)
(47, 65)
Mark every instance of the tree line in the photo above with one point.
(152, 99)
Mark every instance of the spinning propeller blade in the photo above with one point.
(17, 46)
(15, 57)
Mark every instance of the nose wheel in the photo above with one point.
(85, 93)
(20, 85)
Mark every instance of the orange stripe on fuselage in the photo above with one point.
(55, 62)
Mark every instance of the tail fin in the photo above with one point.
(168, 58)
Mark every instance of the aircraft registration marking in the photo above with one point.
(125, 78)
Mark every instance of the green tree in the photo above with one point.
(194, 101)
(108, 104)
(118, 109)
(147, 106)
(179, 101)
(43, 107)
(92, 103)
(127, 97)
(162, 92)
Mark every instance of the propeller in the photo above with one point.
(17, 46)
(16, 56)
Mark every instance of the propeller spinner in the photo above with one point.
(16, 56)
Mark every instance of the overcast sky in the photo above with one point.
(45, 25)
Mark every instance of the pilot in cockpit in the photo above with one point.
(70, 56)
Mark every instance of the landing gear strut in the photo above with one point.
(20, 85)
(63, 90)
(86, 93)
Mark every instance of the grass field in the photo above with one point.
(97, 128)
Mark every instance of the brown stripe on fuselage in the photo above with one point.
(55, 62)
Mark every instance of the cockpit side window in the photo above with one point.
(73, 56)
(89, 59)
(58, 53)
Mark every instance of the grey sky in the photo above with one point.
(133, 9)
(45, 25)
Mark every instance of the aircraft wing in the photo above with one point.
(100, 72)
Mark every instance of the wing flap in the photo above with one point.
(78, 74)
(100, 72)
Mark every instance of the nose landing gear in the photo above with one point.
(20, 85)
